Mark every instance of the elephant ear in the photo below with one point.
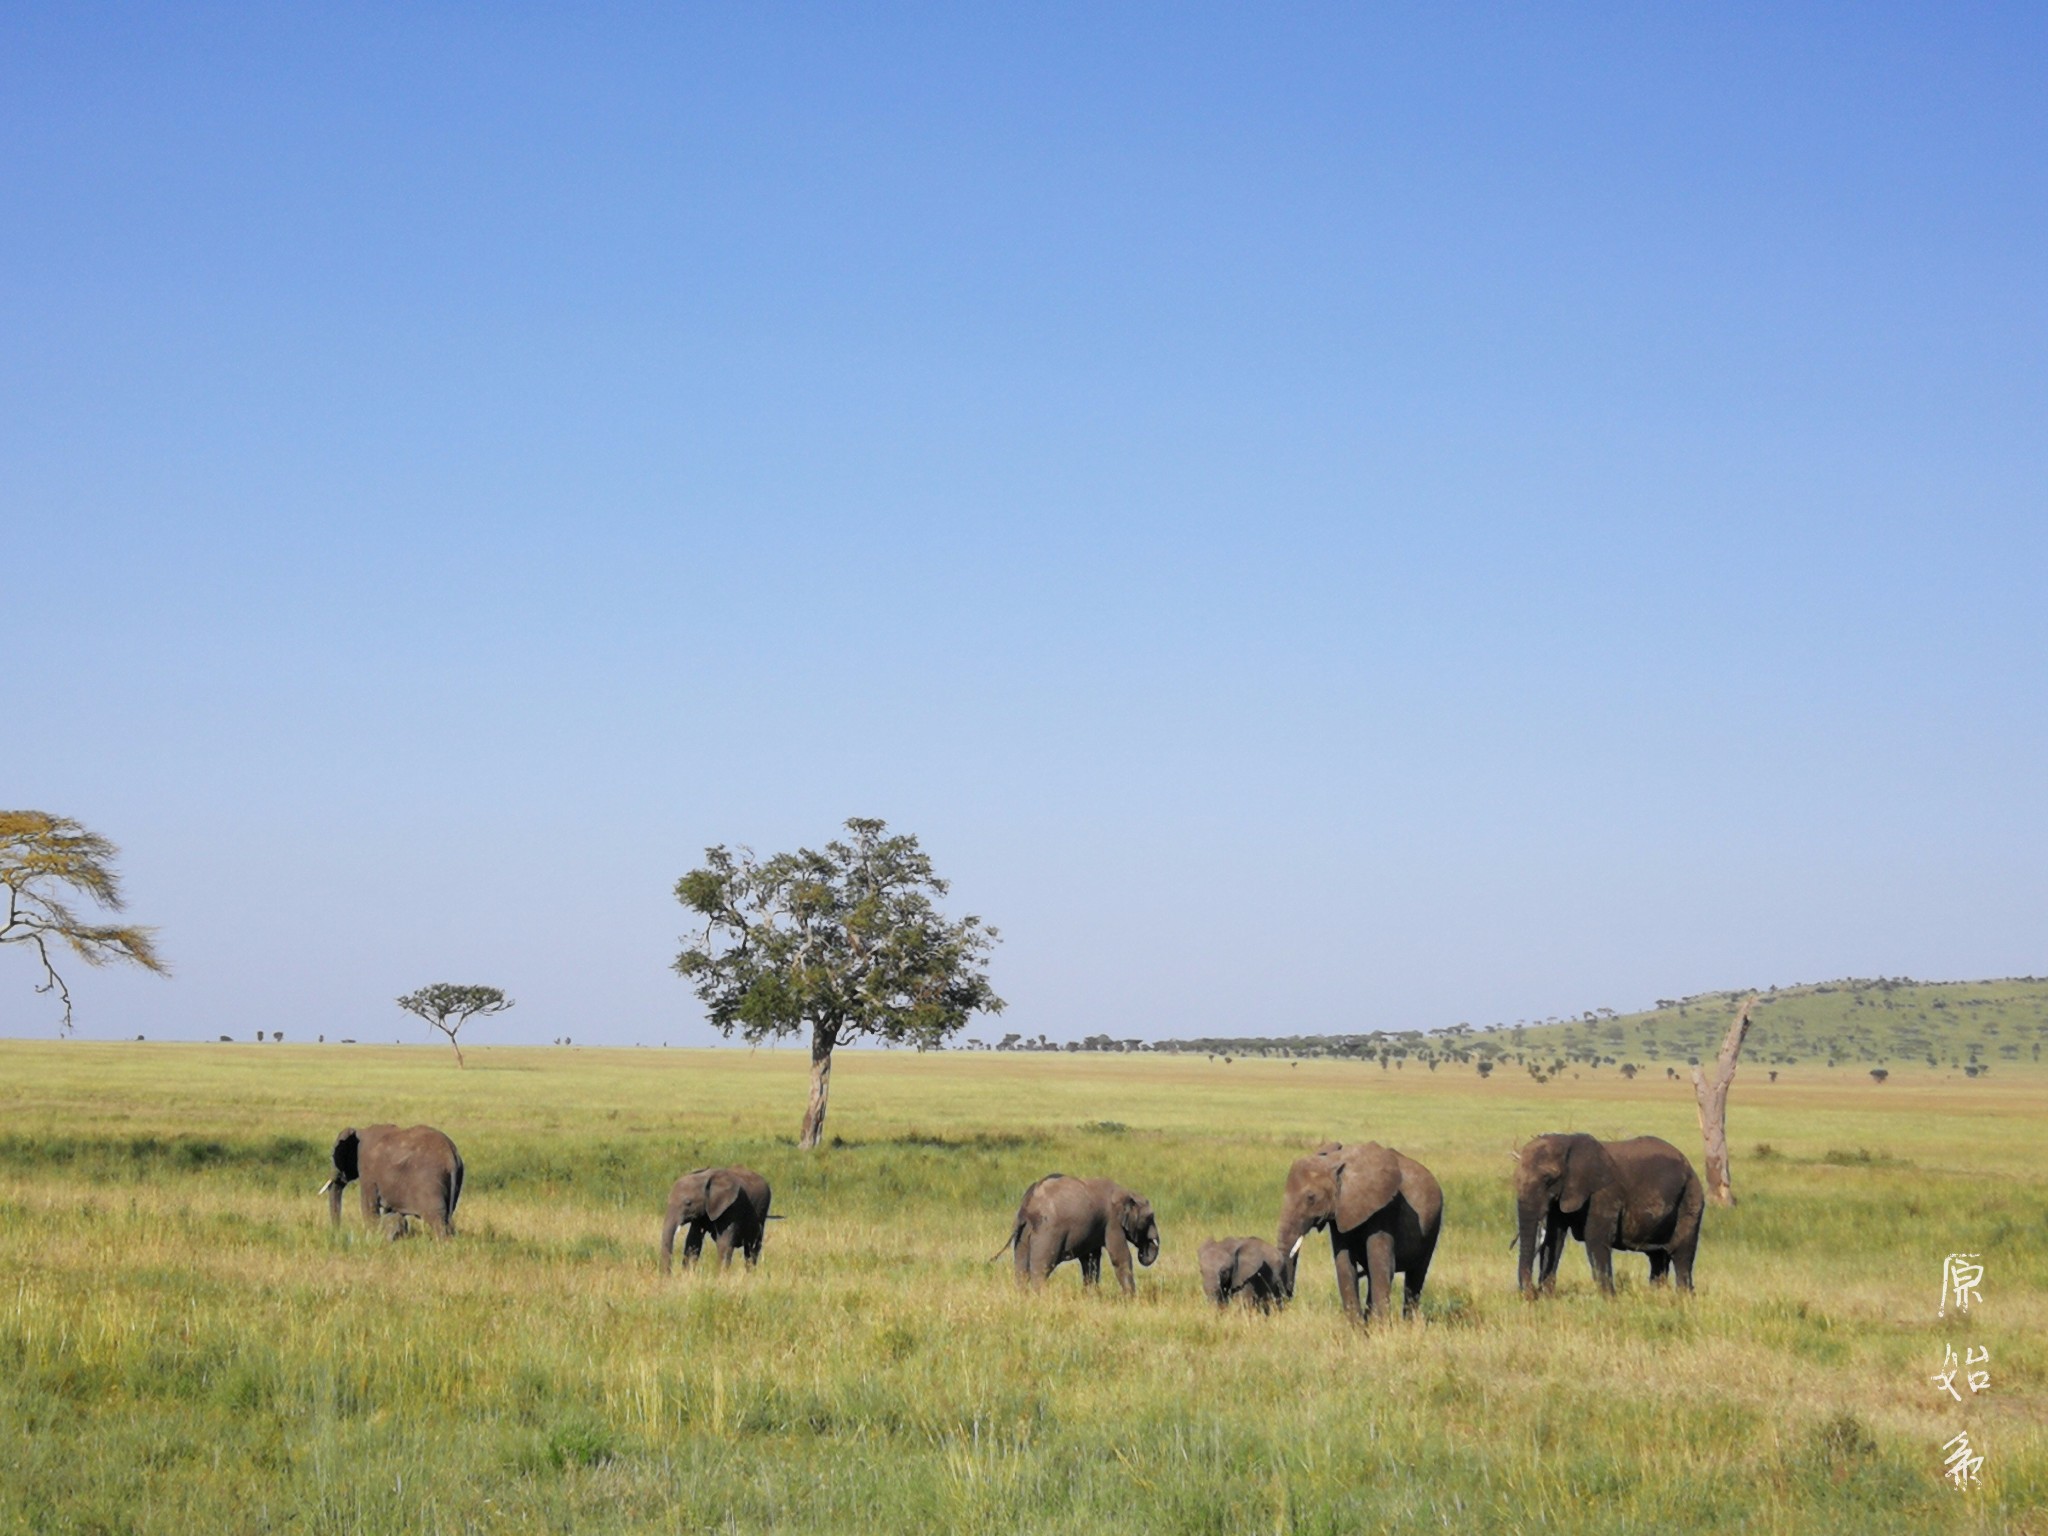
(1584, 1171)
(1367, 1179)
(1249, 1262)
(720, 1190)
(345, 1148)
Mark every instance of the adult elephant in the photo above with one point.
(1062, 1218)
(1243, 1266)
(1384, 1211)
(1640, 1196)
(731, 1204)
(413, 1174)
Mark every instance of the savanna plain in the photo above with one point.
(186, 1345)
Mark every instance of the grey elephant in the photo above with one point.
(1640, 1196)
(731, 1204)
(414, 1174)
(1062, 1218)
(1384, 1212)
(1249, 1267)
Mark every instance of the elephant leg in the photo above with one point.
(1045, 1255)
(693, 1244)
(1120, 1259)
(752, 1247)
(1347, 1279)
(1020, 1255)
(727, 1239)
(1660, 1267)
(1379, 1273)
(1681, 1260)
(1600, 1256)
(1413, 1275)
(1553, 1251)
(1091, 1268)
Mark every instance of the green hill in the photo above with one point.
(1973, 1025)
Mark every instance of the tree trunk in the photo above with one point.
(823, 1038)
(1713, 1104)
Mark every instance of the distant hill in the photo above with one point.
(1965, 1024)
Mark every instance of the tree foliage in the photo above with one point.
(845, 942)
(43, 858)
(448, 1007)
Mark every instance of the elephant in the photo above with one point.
(1063, 1218)
(729, 1203)
(1243, 1266)
(1384, 1212)
(413, 1173)
(1640, 1196)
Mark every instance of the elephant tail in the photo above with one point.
(454, 1187)
(1016, 1233)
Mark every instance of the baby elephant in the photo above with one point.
(729, 1203)
(1244, 1266)
(1064, 1218)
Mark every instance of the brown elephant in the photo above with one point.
(1249, 1267)
(413, 1174)
(729, 1203)
(1062, 1218)
(1640, 1196)
(1384, 1212)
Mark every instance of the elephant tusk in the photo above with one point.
(1297, 1245)
(327, 1186)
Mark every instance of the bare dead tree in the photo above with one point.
(1712, 1100)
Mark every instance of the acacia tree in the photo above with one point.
(448, 1007)
(42, 856)
(844, 942)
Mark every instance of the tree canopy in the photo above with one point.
(845, 942)
(44, 857)
(448, 1007)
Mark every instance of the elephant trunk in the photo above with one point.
(1292, 1231)
(1528, 1239)
(332, 1189)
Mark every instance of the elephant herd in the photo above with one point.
(1383, 1211)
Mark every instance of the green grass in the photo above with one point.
(184, 1345)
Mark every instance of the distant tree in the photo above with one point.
(1628, 1070)
(448, 1007)
(844, 942)
(1878, 1074)
(1485, 1068)
(44, 858)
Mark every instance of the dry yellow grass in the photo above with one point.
(191, 1348)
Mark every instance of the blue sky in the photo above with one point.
(1319, 519)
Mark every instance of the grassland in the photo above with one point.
(184, 1345)
(1966, 1027)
